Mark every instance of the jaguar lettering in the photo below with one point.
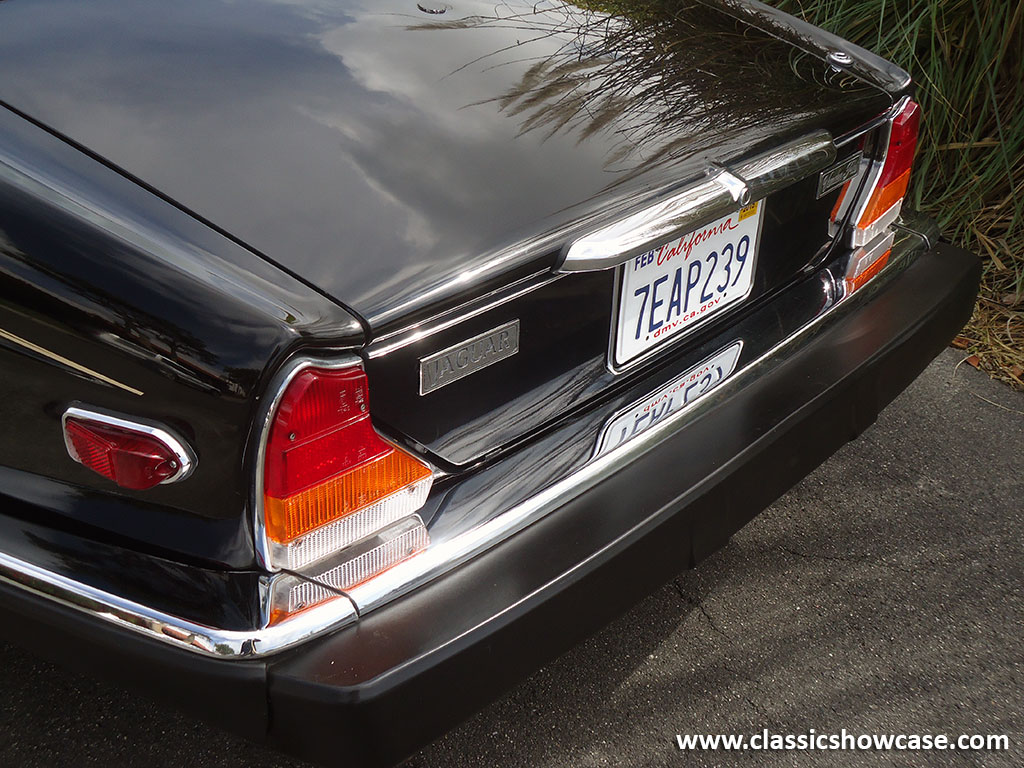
(453, 363)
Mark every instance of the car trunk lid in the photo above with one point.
(428, 171)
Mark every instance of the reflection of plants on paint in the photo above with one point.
(644, 75)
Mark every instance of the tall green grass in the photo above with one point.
(967, 57)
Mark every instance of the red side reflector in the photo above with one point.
(131, 458)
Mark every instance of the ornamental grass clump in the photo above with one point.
(967, 57)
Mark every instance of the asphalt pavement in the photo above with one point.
(883, 594)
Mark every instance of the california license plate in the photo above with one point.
(669, 399)
(667, 292)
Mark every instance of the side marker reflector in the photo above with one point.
(131, 454)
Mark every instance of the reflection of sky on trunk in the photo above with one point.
(663, 81)
(383, 158)
(321, 136)
(435, 117)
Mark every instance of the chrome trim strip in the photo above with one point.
(729, 180)
(426, 566)
(700, 203)
(818, 42)
(457, 315)
(735, 186)
(859, 205)
(859, 131)
(173, 630)
(25, 343)
(776, 169)
(182, 451)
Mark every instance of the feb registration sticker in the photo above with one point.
(668, 291)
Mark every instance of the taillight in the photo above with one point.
(882, 183)
(867, 261)
(329, 479)
(887, 179)
(132, 455)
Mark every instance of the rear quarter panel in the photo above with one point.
(115, 298)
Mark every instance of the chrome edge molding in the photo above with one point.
(873, 174)
(815, 40)
(182, 451)
(699, 204)
(173, 630)
(399, 339)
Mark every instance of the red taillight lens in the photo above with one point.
(130, 458)
(891, 186)
(329, 479)
(322, 428)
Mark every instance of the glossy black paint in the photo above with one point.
(567, 442)
(114, 564)
(399, 162)
(192, 192)
(404, 162)
(97, 272)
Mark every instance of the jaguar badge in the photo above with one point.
(442, 368)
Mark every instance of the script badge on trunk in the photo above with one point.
(442, 368)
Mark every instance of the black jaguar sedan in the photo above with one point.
(357, 358)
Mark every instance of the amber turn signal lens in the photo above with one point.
(855, 283)
(867, 261)
(343, 494)
(884, 198)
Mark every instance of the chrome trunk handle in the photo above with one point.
(723, 190)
